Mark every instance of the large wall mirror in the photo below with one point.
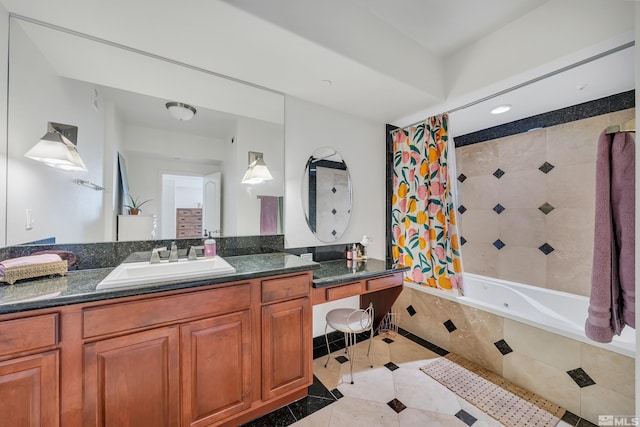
(326, 194)
(116, 97)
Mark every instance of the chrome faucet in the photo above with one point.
(155, 256)
(193, 255)
(173, 255)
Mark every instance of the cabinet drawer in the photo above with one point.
(384, 282)
(189, 225)
(285, 287)
(140, 314)
(30, 333)
(191, 213)
(344, 291)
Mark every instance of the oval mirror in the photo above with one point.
(326, 194)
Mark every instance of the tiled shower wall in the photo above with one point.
(526, 204)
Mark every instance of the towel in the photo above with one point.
(269, 211)
(27, 260)
(612, 300)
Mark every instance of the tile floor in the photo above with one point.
(394, 392)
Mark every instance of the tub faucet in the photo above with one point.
(173, 255)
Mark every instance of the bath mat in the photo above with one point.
(522, 393)
(501, 404)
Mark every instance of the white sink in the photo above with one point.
(139, 273)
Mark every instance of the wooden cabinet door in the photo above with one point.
(133, 380)
(286, 347)
(29, 391)
(216, 368)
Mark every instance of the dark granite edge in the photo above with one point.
(345, 278)
(109, 294)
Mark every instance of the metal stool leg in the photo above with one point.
(326, 338)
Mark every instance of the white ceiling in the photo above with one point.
(391, 62)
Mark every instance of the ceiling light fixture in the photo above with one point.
(57, 148)
(181, 111)
(257, 172)
(501, 109)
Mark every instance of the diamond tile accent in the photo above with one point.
(499, 244)
(334, 232)
(388, 340)
(412, 311)
(580, 377)
(391, 366)
(450, 326)
(546, 208)
(546, 249)
(462, 177)
(341, 359)
(498, 173)
(333, 211)
(462, 240)
(462, 209)
(503, 347)
(498, 208)
(466, 417)
(333, 190)
(546, 167)
(396, 405)
(337, 394)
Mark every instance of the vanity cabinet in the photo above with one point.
(133, 380)
(29, 371)
(216, 368)
(212, 355)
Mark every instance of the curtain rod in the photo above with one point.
(529, 82)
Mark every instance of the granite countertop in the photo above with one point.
(80, 286)
(335, 272)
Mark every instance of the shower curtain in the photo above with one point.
(425, 234)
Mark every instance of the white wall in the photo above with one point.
(4, 58)
(38, 96)
(361, 143)
(266, 138)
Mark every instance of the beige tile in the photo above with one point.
(535, 344)
(415, 417)
(479, 192)
(622, 116)
(474, 338)
(477, 159)
(362, 413)
(373, 384)
(597, 400)
(480, 258)
(572, 186)
(484, 420)
(321, 418)
(551, 383)
(522, 189)
(405, 351)
(523, 265)
(522, 227)
(570, 228)
(610, 370)
(412, 385)
(431, 312)
(522, 151)
(479, 226)
(570, 271)
(329, 375)
(575, 142)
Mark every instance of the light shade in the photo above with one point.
(257, 172)
(181, 111)
(57, 148)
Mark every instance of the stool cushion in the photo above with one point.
(359, 322)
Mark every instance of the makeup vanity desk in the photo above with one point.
(374, 280)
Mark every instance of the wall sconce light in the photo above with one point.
(181, 111)
(257, 172)
(57, 148)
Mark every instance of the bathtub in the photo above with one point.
(558, 312)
